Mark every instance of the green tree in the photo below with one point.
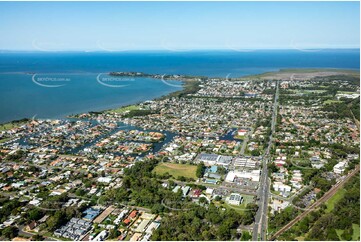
(10, 232)
(217, 198)
(255, 153)
(203, 200)
(200, 170)
(246, 236)
(34, 214)
(37, 237)
(56, 220)
(80, 192)
(114, 233)
(332, 235)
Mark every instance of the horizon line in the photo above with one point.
(181, 50)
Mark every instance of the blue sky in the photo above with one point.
(118, 26)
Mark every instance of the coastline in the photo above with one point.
(303, 73)
(190, 84)
(189, 87)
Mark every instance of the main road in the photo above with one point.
(260, 225)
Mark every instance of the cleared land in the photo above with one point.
(344, 92)
(356, 232)
(7, 126)
(301, 74)
(124, 109)
(330, 101)
(334, 199)
(242, 207)
(176, 170)
(4, 140)
(339, 233)
(308, 91)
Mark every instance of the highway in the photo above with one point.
(320, 201)
(260, 225)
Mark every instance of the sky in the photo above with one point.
(178, 26)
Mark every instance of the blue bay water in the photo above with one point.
(81, 92)
(22, 97)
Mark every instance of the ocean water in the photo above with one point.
(53, 85)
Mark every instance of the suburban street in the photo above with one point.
(260, 226)
(245, 141)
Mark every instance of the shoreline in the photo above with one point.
(304, 73)
(190, 84)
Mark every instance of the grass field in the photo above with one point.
(310, 91)
(339, 233)
(241, 208)
(330, 101)
(355, 235)
(330, 206)
(176, 170)
(247, 199)
(334, 199)
(4, 140)
(301, 72)
(344, 92)
(356, 232)
(124, 109)
(7, 126)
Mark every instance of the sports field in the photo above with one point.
(124, 109)
(176, 170)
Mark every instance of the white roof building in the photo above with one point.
(252, 175)
(280, 187)
(340, 167)
(107, 179)
(101, 236)
(209, 191)
(234, 199)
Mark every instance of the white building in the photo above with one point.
(242, 132)
(340, 167)
(234, 199)
(245, 163)
(213, 159)
(107, 179)
(280, 187)
(209, 191)
(345, 95)
(101, 236)
(252, 175)
(278, 205)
